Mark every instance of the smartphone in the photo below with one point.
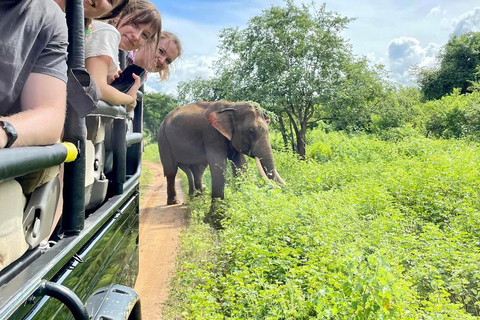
(125, 81)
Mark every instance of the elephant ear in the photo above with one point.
(222, 121)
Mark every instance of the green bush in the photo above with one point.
(364, 229)
(454, 116)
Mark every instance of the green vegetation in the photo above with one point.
(459, 61)
(155, 107)
(381, 219)
(366, 229)
(150, 153)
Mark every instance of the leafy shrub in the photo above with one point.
(453, 116)
(376, 230)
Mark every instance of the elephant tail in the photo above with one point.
(165, 150)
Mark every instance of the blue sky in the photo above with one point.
(396, 33)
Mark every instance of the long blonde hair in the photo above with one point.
(165, 73)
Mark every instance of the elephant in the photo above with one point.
(210, 133)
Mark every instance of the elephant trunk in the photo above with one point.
(268, 174)
(262, 171)
(262, 152)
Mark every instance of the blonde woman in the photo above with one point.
(160, 60)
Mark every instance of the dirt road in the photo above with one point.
(160, 227)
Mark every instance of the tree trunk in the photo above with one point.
(292, 137)
(301, 141)
(283, 131)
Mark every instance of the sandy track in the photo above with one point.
(160, 226)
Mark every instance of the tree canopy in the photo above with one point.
(289, 59)
(458, 66)
(156, 106)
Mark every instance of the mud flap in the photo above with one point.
(115, 302)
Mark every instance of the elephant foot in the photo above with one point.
(214, 220)
(215, 216)
(172, 201)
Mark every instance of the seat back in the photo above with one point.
(12, 238)
(40, 211)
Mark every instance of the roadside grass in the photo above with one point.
(150, 153)
(364, 229)
(145, 179)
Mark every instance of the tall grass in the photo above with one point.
(364, 229)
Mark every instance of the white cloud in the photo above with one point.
(417, 29)
(434, 12)
(469, 21)
(184, 69)
(405, 52)
(199, 42)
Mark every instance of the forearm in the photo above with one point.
(40, 126)
(112, 96)
(98, 68)
(43, 101)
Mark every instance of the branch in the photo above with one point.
(318, 119)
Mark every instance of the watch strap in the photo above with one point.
(10, 131)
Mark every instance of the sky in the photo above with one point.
(396, 33)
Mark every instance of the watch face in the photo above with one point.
(11, 133)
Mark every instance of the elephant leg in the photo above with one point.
(170, 166)
(217, 162)
(198, 170)
(239, 162)
(190, 177)
(215, 215)
(170, 173)
(171, 192)
(218, 179)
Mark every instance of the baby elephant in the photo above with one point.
(208, 133)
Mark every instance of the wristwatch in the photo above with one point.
(10, 131)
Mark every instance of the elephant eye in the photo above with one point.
(252, 133)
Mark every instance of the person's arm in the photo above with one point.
(98, 68)
(41, 121)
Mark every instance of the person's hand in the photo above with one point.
(133, 92)
(132, 105)
(137, 83)
(113, 77)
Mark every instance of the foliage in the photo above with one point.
(289, 59)
(150, 153)
(398, 109)
(454, 116)
(156, 106)
(364, 229)
(459, 60)
(363, 93)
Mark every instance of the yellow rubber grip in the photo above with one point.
(72, 151)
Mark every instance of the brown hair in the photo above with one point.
(165, 73)
(141, 12)
(115, 12)
(109, 15)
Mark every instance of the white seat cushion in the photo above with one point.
(12, 237)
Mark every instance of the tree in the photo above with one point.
(458, 63)
(363, 92)
(289, 59)
(156, 106)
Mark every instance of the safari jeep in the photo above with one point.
(88, 267)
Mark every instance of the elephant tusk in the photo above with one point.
(278, 178)
(262, 172)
